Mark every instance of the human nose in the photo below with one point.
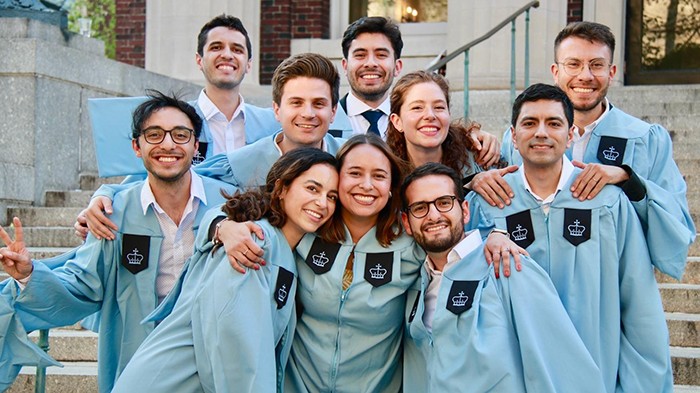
(168, 140)
(366, 183)
(541, 131)
(322, 201)
(433, 212)
(585, 72)
(308, 110)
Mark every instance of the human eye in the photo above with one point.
(153, 133)
(444, 202)
(597, 65)
(215, 47)
(419, 208)
(333, 197)
(572, 64)
(353, 173)
(312, 188)
(416, 107)
(181, 133)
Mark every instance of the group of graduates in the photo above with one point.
(365, 243)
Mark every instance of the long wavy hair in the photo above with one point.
(264, 201)
(456, 148)
(388, 227)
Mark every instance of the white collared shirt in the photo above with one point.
(471, 241)
(567, 169)
(359, 124)
(227, 136)
(178, 240)
(580, 142)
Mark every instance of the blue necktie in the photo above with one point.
(372, 117)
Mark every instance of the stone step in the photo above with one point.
(73, 377)
(686, 389)
(49, 236)
(694, 250)
(686, 365)
(656, 93)
(683, 298)
(74, 198)
(47, 252)
(684, 329)
(71, 345)
(91, 181)
(44, 216)
(690, 276)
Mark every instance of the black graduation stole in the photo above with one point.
(577, 225)
(461, 296)
(201, 153)
(322, 256)
(135, 250)
(283, 286)
(379, 268)
(520, 228)
(611, 150)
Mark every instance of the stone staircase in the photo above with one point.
(49, 232)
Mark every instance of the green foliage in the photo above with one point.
(103, 16)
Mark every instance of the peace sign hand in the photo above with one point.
(15, 256)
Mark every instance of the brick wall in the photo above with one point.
(283, 20)
(131, 32)
(574, 11)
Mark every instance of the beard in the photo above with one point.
(440, 244)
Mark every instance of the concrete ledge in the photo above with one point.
(685, 363)
(684, 329)
(74, 377)
(683, 298)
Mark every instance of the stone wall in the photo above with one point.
(45, 82)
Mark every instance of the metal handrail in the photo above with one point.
(466, 47)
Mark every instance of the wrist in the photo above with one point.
(498, 230)
(216, 239)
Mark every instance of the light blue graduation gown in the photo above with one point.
(350, 341)
(498, 335)
(596, 255)
(224, 331)
(249, 165)
(16, 349)
(648, 151)
(97, 279)
(259, 123)
(341, 126)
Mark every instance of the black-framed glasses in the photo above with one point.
(443, 204)
(598, 67)
(155, 135)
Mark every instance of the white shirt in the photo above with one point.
(471, 241)
(359, 124)
(581, 141)
(227, 136)
(178, 240)
(567, 169)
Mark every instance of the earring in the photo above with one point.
(390, 195)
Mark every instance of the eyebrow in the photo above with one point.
(550, 118)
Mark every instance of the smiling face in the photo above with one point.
(305, 112)
(585, 90)
(437, 232)
(542, 134)
(365, 183)
(424, 117)
(371, 67)
(309, 201)
(167, 161)
(224, 61)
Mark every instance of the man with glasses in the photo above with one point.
(611, 147)
(509, 335)
(125, 279)
(594, 251)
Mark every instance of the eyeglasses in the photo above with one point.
(155, 135)
(442, 204)
(598, 67)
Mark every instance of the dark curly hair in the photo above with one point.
(264, 201)
(456, 147)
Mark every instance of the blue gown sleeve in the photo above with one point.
(217, 167)
(554, 357)
(645, 362)
(109, 190)
(64, 295)
(233, 330)
(16, 350)
(664, 213)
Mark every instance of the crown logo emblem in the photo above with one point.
(575, 229)
(282, 293)
(377, 272)
(460, 300)
(198, 158)
(320, 260)
(519, 233)
(134, 257)
(611, 154)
